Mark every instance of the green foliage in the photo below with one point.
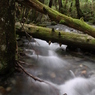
(23, 14)
(53, 23)
(85, 6)
(88, 12)
(68, 9)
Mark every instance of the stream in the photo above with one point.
(64, 73)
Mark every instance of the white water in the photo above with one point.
(78, 86)
(73, 86)
(52, 60)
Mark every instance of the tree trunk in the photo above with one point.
(60, 5)
(7, 36)
(92, 6)
(58, 17)
(55, 4)
(50, 3)
(70, 9)
(65, 5)
(79, 12)
(72, 39)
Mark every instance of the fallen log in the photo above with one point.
(72, 39)
(60, 18)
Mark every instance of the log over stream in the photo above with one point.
(72, 39)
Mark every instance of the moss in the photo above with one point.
(92, 41)
(83, 26)
(37, 30)
(67, 38)
(43, 25)
(61, 22)
(53, 23)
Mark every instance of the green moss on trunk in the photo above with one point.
(71, 39)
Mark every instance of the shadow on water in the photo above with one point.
(63, 73)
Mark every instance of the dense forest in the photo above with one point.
(32, 19)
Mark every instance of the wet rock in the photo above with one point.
(8, 89)
(65, 94)
(2, 90)
(81, 65)
(83, 72)
(40, 74)
(53, 75)
(13, 81)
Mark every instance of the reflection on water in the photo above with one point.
(56, 70)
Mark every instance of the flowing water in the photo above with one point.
(63, 73)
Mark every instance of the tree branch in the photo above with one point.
(37, 79)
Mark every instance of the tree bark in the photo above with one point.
(72, 39)
(70, 9)
(79, 12)
(7, 36)
(58, 17)
(50, 3)
(92, 6)
(65, 5)
(60, 5)
(55, 4)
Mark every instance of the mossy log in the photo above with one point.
(60, 18)
(72, 39)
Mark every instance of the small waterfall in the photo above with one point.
(62, 73)
(78, 86)
(52, 60)
(48, 59)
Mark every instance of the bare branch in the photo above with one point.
(38, 79)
